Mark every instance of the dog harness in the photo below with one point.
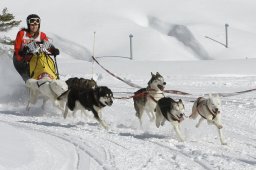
(204, 102)
(39, 85)
(149, 89)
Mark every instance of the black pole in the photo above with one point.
(131, 56)
(226, 28)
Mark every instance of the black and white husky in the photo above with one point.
(209, 109)
(90, 99)
(146, 99)
(172, 111)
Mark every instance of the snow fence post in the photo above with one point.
(131, 57)
(226, 29)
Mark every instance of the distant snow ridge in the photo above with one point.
(71, 48)
(182, 34)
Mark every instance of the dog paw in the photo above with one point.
(65, 116)
(106, 128)
(27, 109)
(182, 139)
(137, 114)
(220, 126)
(224, 143)
(104, 125)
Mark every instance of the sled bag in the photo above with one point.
(42, 65)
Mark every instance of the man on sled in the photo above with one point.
(29, 59)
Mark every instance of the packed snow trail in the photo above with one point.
(45, 140)
(126, 146)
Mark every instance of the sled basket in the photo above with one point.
(42, 65)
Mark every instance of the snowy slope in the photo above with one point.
(164, 31)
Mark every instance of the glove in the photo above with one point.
(33, 47)
(47, 45)
(55, 51)
(24, 51)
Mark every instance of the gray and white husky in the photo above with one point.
(48, 89)
(172, 111)
(209, 109)
(146, 99)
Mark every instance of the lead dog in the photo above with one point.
(48, 89)
(172, 111)
(209, 109)
(145, 99)
(90, 99)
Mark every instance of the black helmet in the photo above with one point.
(33, 18)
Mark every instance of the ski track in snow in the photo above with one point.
(126, 146)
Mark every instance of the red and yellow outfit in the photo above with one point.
(23, 38)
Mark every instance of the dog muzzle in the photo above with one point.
(216, 111)
(160, 87)
(109, 103)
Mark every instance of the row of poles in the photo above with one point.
(131, 45)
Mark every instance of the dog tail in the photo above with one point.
(193, 115)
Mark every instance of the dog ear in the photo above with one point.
(157, 74)
(152, 74)
(180, 101)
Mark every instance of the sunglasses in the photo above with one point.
(34, 21)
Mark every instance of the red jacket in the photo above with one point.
(23, 37)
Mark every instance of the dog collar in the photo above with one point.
(101, 104)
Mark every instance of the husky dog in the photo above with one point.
(209, 109)
(145, 99)
(78, 84)
(168, 109)
(91, 99)
(48, 89)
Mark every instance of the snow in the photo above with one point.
(169, 37)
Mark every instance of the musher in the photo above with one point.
(23, 47)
